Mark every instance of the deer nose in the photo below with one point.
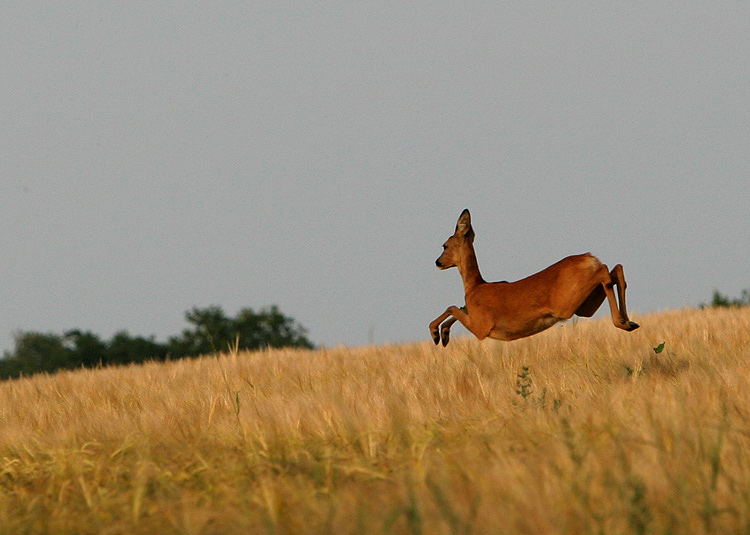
(437, 263)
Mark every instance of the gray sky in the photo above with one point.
(162, 155)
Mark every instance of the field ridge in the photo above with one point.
(580, 429)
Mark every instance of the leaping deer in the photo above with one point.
(510, 310)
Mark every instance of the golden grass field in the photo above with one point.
(580, 429)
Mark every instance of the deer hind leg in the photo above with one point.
(604, 290)
(618, 278)
(592, 303)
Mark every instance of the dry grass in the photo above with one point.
(600, 435)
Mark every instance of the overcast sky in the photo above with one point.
(156, 156)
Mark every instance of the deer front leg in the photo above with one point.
(435, 326)
(455, 314)
(445, 331)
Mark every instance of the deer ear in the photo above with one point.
(464, 224)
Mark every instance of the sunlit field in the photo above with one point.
(581, 429)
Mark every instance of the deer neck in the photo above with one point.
(469, 270)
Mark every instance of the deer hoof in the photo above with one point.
(435, 337)
(446, 337)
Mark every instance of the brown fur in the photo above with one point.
(510, 310)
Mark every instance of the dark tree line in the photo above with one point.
(721, 300)
(210, 330)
